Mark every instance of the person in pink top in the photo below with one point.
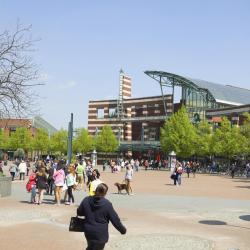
(59, 178)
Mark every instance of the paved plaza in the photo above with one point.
(205, 212)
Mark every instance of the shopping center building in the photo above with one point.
(137, 121)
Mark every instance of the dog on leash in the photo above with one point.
(122, 186)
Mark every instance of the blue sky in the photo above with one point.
(85, 43)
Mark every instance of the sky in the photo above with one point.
(83, 45)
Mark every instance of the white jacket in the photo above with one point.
(22, 167)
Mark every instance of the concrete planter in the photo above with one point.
(5, 186)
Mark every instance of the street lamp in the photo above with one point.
(94, 158)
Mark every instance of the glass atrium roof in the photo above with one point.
(222, 93)
(225, 93)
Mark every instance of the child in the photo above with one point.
(31, 187)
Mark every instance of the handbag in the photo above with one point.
(65, 187)
(76, 224)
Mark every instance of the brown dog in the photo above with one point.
(121, 187)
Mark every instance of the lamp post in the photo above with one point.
(70, 138)
(94, 158)
(94, 153)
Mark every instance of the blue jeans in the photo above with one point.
(33, 194)
(179, 179)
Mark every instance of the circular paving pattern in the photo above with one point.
(161, 241)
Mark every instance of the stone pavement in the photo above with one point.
(204, 213)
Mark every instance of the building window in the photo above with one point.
(100, 113)
(112, 112)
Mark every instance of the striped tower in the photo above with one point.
(124, 93)
(128, 127)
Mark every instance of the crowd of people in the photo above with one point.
(55, 176)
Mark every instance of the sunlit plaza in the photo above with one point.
(205, 212)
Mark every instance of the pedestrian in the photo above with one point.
(1, 167)
(70, 181)
(89, 170)
(59, 178)
(174, 175)
(248, 170)
(98, 211)
(137, 164)
(128, 178)
(41, 184)
(146, 164)
(233, 169)
(31, 187)
(22, 169)
(95, 182)
(104, 166)
(194, 168)
(188, 169)
(13, 169)
(28, 167)
(80, 173)
(179, 173)
(51, 186)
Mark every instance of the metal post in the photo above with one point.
(173, 97)
(163, 98)
(70, 138)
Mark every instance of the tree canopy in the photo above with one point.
(106, 141)
(41, 141)
(58, 141)
(83, 142)
(21, 138)
(178, 134)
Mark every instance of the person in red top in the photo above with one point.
(31, 187)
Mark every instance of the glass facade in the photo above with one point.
(197, 102)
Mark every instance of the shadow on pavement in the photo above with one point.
(243, 187)
(120, 193)
(213, 222)
(45, 201)
(245, 217)
(223, 223)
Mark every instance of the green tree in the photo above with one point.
(40, 143)
(203, 139)
(58, 142)
(227, 141)
(21, 138)
(178, 134)
(19, 153)
(245, 131)
(106, 141)
(4, 140)
(83, 142)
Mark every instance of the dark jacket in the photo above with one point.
(41, 182)
(98, 211)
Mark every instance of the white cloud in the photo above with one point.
(68, 85)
